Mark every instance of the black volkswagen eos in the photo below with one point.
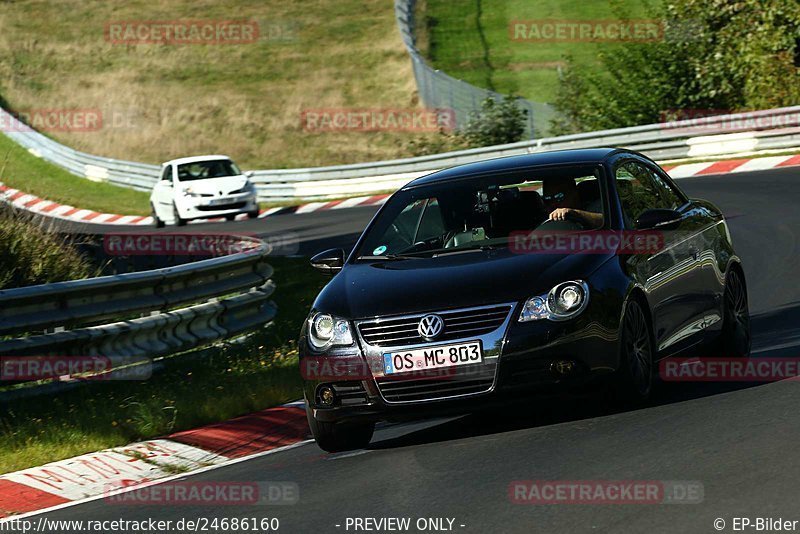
(518, 275)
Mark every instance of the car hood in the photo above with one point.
(376, 288)
(213, 186)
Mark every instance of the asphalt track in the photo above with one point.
(738, 440)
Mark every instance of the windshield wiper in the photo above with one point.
(391, 257)
(459, 250)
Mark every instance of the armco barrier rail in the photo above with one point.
(774, 129)
(225, 296)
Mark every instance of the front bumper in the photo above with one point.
(525, 362)
(211, 207)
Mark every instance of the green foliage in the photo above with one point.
(29, 255)
(437, 143)
(715, 55)
(497, 123)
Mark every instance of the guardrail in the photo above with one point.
(226, 296)
(775, 129)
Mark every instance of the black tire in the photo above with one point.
(252, 214)
(635, 376)
(230, 217)
(158, 223)
(338, 437)
(177, 217)
(735, 339)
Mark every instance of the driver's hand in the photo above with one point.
(560, 214)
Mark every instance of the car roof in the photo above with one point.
(194, 159)
(512, 163)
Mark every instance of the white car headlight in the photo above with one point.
(564, 301)
(325, 331)
(189, 193)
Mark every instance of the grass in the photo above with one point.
(237, 379)
(470, 41)
(244, 100)
(22, 170)
(30, 256)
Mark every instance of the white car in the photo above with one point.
(202, 187)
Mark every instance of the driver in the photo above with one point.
(561, 197)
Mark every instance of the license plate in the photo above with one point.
(432, 357)
(220, 201)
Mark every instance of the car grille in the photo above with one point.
(232, 206)
(458, 324)
(464, 381)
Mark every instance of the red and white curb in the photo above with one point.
(39, 206)
(732, 166)
(96, 474)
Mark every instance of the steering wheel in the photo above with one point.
(567, 224)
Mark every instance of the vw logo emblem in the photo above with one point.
(430, 327)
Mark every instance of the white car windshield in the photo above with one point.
(201, 170)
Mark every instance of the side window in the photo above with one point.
(638, 191)
(673, 198)
(167, 174)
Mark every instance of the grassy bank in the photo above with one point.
(236, 379)
(471, 41)
(161, 101)
(30, 256)
(24, 171)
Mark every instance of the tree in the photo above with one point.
(497, 123)
(715, 55)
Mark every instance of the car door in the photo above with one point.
(163, 195)
(702, 232)
(670, 276)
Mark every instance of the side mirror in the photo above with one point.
(249, 174)
(329, 262)
(660, 219)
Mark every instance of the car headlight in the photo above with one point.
(564, 301)
(325, 331)
(248, 188)
(189, 193)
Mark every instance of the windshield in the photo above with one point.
(200, 170)
(484, 212)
